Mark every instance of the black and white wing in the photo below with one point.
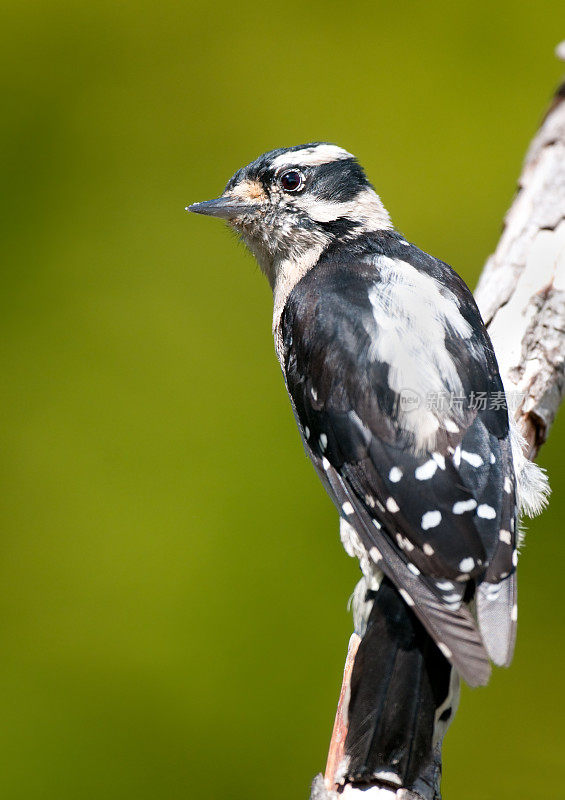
(372, 352)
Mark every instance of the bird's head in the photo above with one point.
(291, 203)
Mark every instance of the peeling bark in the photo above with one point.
(521, 293)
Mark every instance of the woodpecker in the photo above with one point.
(397, 395)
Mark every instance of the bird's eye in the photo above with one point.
(292, 181)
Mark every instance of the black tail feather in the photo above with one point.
(399, 680)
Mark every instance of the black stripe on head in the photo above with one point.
(338, 181)
(261, 169)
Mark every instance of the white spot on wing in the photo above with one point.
(507, 485)
(413, 568)
(428, 549)
(375, 554)
(505, 536)
(395, 475)
(392, 505)
(347, 508)
(404, 543)
(444, 649)
(492, 592)
(439, 459)
(323, 441)
(406, 597)
(466, 564)
(473, 459)
(431, 519)
(325, 463)
(486, 512)
(464, 505)
(426, 471)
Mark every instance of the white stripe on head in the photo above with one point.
(365, 208)
(311, 156)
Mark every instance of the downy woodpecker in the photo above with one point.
(398, 399)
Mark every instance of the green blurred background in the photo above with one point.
(172, 589)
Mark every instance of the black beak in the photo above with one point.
(223, 207)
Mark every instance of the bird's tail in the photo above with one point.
(403, 695)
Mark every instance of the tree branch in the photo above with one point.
(521, 295)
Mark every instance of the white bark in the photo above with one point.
(521, 293)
